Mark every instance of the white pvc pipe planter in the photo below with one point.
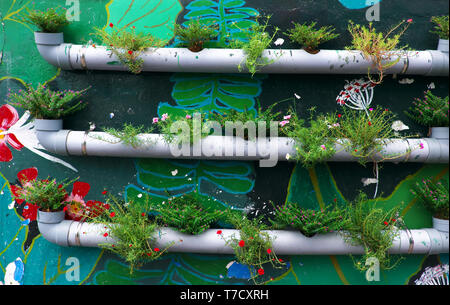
(84, 57)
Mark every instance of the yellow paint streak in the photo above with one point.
(8, 15)
(93, 267)
(315, 183)
(338, 270)
(146, 14)
(126, 12)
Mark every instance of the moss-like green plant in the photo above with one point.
(43, 103)
(128, 45)
(381, 49)
(309, 37)
(49, 21)
(310, 222)
(133, 233)
(441, 26)
(373, 228)
(195, 35)
(186, 214)
(432, 111)
(258, 39)
(434, 196)
(129, 134)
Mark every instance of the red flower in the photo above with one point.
(219, 232)
(260, 271)
(106, 234)
(370, 124)
(29, 210)
(93, 45)
(130, 52)
(112, 214)
(8, 117)
(386, 223)
(104, 192)
(156, 249)
(269, 251)
(280, 260)
(339, 115)
(241, 243)
(143, 214)
(393, 220)
(111, 25)
(78, 209)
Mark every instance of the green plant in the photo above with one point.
(182, 129)
(313, 144)
(186, 214)
(195, 35)
(380, 48)
(441, 26)
(432, 111)
(434, 196)
(48, 195)
(129, 135)
(128, 45)
(257, 41)
(360, 135)
(253, 247)
(133, 234)
(309, 37)
(43, 103)
(49, 21)
(310, 222)
(373, 228)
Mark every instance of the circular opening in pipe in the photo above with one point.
(48, 125)
(48, 38)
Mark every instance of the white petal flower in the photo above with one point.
(279, 42)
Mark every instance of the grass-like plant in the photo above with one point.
(48, 195)
(43, 103)
(133, 233)
(373, 228)
(431, 111)
(195, 34)
(309, 37)
(129, 134)
(382, 49)
(258, 39)
(186, 214)
(128, 45)
(440, 26)
(308, 221)
(49, 21)
(434, 195)
(253, 247)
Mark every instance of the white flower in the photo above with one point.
(279, 42)
(288, 156)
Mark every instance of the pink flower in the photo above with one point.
(164, 117)
(8, 117)
(323, 147)
(188, 116)
(155, 120)
(282, 123)
(287, 117)
(409, 20)
(421, 146)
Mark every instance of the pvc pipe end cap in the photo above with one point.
(50, 217)
(48, 38)
(48, 125)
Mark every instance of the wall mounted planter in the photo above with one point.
(440, 224)
(84, 57)
(443, 45)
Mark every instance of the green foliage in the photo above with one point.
(195, 34)
(253, 247)
(313, 144)
(441, 26)
(50, 21)
(48, 195)
(373, 228)
(363, 136)
(310, 222)
(309, 37)
(186, 214)
(128, 45)
(183, 129)
(43, 103)
(134, 235)
(434, 196)
(432, 111)
(381, 48)
(129, 134)
(258, 40)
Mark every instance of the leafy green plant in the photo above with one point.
(441, 26)
(360, 135)
(434, 196)
(373, 228)
(128, 45)
(43, 103)
(195, 35)
(310, 222)
(182, 129)
(309, 37)
(186, 214)
(129, 135)
(258, 40)
(48, 195)
(133, 234)
(253, 247)
(432, 111)
(49, 21)
(382, 49)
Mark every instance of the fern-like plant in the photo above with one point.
(309, 37)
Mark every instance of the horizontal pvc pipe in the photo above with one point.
(82, 234)
(84, 57)
(266, 150)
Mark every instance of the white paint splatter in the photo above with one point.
(279, 42)
(406, 81)
(174, 172)
(399, 126)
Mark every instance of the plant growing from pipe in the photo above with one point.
(43, 103)
(309, 37)
(382, 49)
(128, 45)
(308, 221)
(431, 111)
(129, 135)
(434, 195)
(49, 21)
(440, 26)
(195, 35)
